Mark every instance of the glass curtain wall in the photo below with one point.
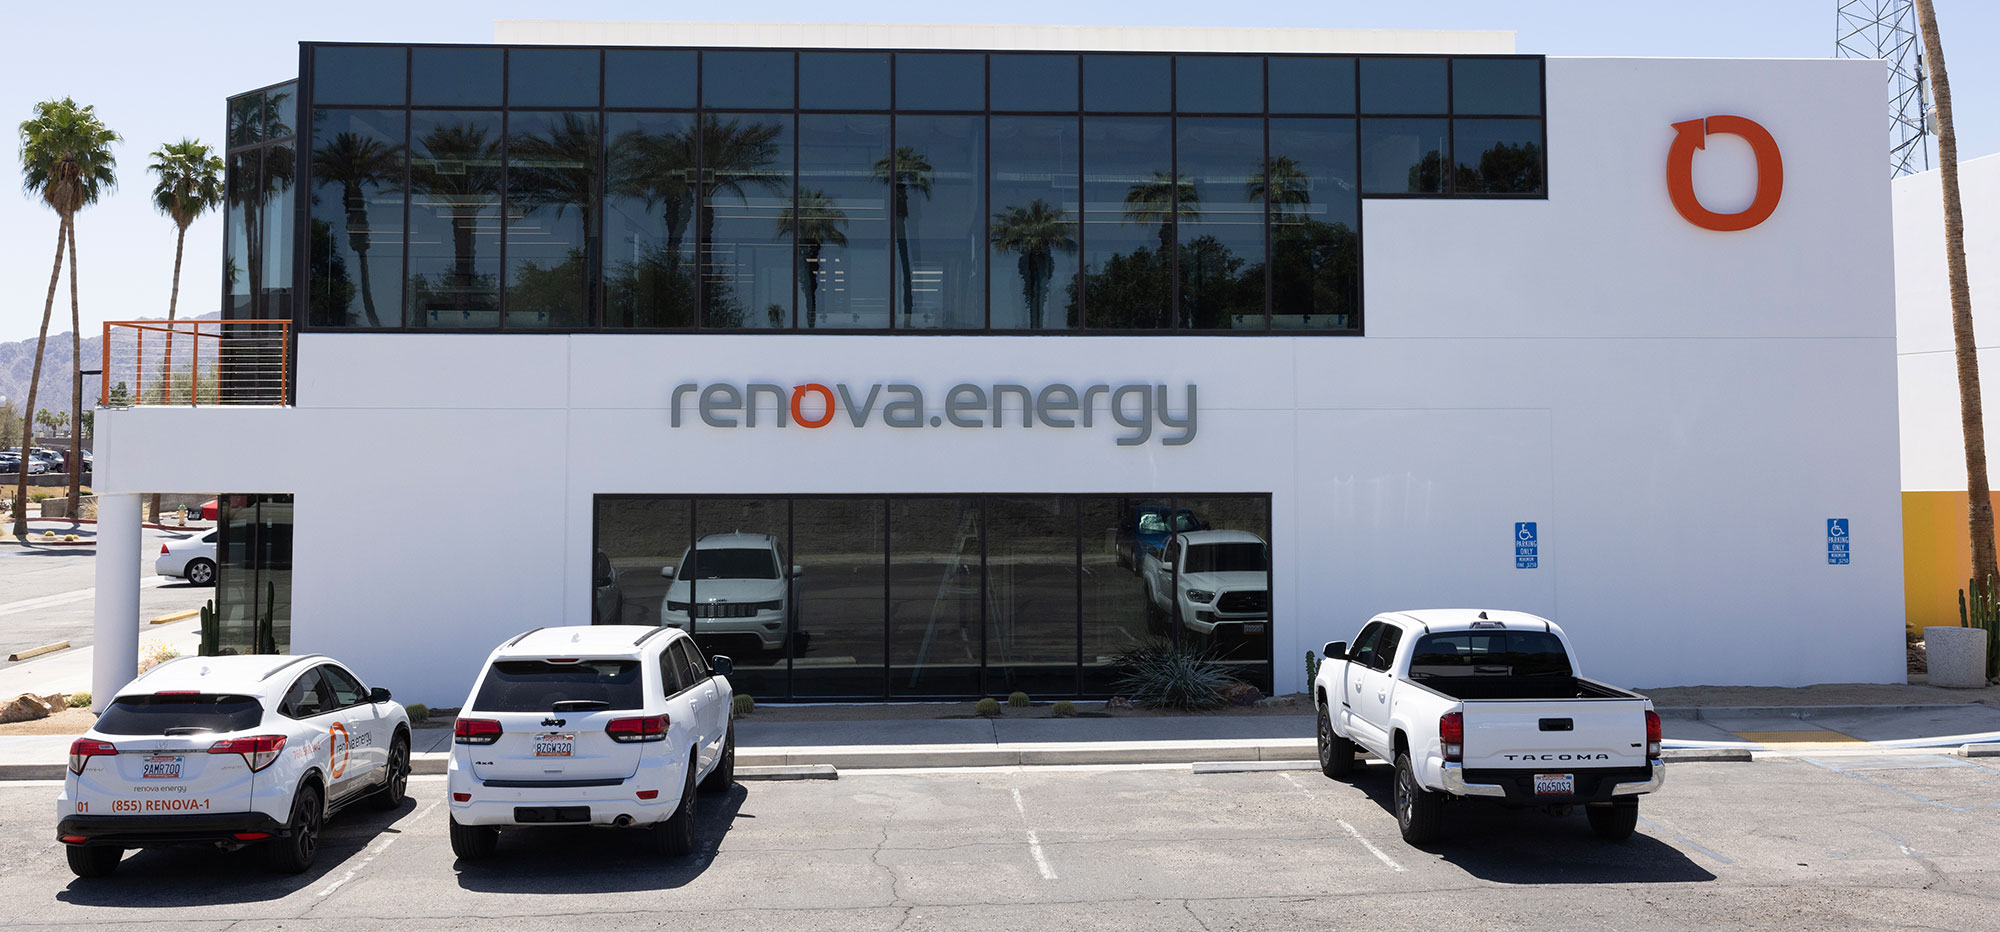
(871, 597)
(746, 221)
(253, 583)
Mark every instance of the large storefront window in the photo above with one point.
(931, 596)
(253, 582)
(863, 190)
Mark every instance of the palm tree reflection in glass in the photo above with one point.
(908, 170)
(817, 224)
(1035, 233)
(358, 165)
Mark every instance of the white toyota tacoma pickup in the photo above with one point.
(1469, 703)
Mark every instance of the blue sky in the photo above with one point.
(157, 73)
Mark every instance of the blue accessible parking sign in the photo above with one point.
(1836, 542)
(1527, 545)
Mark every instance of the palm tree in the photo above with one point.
(358, 163)
(1970, 409)
(1035, 232)
(817, 223)
(907, 170)
(1283, 183)
(66, 161)
(190, 185)
(1153, 201)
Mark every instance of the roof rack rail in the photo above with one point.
(519, 637)
(650, 635)
(288, 662)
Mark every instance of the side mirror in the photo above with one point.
(721, 665)
(667, 571)
(378, 694)
(1335, 649)
(798, 571)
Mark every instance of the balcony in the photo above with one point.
(196, 362)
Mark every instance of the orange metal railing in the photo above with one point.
(197, 362)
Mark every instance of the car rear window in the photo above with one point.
(1490, 653)
(537, 685)
(191, 714)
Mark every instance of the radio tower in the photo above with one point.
(1887, 29)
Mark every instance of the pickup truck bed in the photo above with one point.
(1475, 688)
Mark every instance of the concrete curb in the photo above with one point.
(1979, 750)
(1706, 755)
(37, 651)
(1700, 713)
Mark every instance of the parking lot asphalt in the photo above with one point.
(1807, 843)
(47, 594)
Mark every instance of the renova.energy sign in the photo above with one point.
(1136, 407)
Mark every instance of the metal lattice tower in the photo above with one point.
(1887, 29)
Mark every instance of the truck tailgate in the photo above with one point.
(1575, 733)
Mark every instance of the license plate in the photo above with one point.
(161, 768)
(555, 745)
(1253, 629)
(1555, 784)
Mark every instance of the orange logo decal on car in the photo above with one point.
(337, 750)
(1693, 134)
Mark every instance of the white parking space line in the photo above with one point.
(1351, 831)
(1034, 843)
(378, 848)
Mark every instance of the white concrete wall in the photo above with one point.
(1933, 438)
(1680, 410)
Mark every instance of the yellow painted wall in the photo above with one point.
(1937, 556)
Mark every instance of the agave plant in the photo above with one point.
(1163, 675)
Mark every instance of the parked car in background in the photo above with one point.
(225, 752)
(732, 586)
(191, 558)
(1146, 528)
(607, 599)
(10, 462)
(1212, 581)
(605, 725)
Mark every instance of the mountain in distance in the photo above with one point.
(17, 365)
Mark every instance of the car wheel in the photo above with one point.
(200, 572)
(723, 776)
(392, 792)
(1419, 812)
(1614, 822)
(674, 836)
(1336, 754)
(295, 851)
(93, 861)
(473, 842)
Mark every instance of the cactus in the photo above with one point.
(267, 641)
(1018, 699)
(1312, 668)
(1984, 612)
(742, 704)
(211, 633)
(988, 707)
(1063, 708)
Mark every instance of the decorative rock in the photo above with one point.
(1956, 656)
(1117, 704)
(24, 708)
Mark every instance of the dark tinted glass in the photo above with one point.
(941, 221)
(273, 278)
(1034, 82)
(153, 715)
(1498, 157)
(641, 537)
(649, 220)
(1241, 610)
(842, 598)
(241, 226)
(1129, 191)
(934, 589)
(454, 227)
(746, 221)
(1403, 85)
(843, 226)
(940, 81)
(551, 189)
(1134, 83)
(1221, 222)
(729, 563)
(844, 80)
(741, 591)
(1500, 86)
(746, 79)
(1403, 156)
(455, 77)
(356, 75)
(1226, 558)
(1315, 202)
(1033, 232)
(346, 689)
(536, 686)
(1385, 652)
(1312, 85)
(1219, 84)
(246, 120)
(1481, 653)
(281, 111)
(648, 78)
(552, 78)
(1116, 612)
(307, 696)
(1031, 618)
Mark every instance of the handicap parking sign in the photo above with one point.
(1527, 545)
(1837, 542)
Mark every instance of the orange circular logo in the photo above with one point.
(1693, 134)
(337, 750)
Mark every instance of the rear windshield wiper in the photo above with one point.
(579, 705)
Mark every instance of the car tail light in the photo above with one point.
(72, 839)
(1652, 734)
(258, 752)
(1451, 734)
(461, 797)
(629, 730)
(649, 794)
(163, 550)
(83, 749)
(475, 731)
(250, 836)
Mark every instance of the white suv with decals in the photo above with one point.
(610, 725)
(228, 752)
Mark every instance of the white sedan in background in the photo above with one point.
(191, 558)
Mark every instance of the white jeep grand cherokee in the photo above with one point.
(611, 725)
(228, 752)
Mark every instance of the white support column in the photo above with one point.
(115, 651)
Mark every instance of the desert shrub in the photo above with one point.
(1018, 699)
(80, 699)
(1164, 675)
(1063, 709)
(418, 712)
(742, 704)
(156, 653)
(989, 707)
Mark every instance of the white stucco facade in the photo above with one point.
(1680, 410)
